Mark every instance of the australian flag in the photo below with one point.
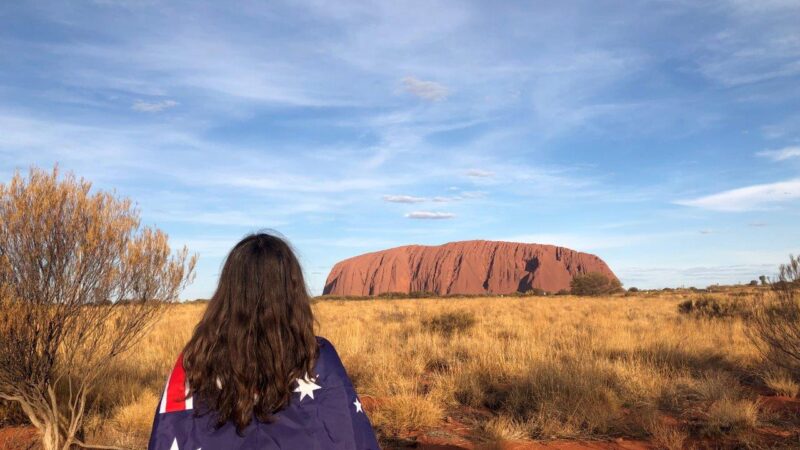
(324, 414)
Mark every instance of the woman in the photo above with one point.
(253, 375)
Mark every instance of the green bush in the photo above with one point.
(594, 283)
(422, 294)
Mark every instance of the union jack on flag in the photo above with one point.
(325, 414)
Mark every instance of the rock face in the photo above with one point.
(466, 267)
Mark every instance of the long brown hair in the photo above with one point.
(256, 336)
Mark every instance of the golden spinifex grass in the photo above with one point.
(538, 368)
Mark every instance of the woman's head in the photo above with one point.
(256, 336)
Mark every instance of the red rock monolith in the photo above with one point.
(466, 267)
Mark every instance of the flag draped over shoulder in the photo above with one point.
(324, 413)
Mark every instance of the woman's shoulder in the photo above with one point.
(329, 366)
(327, 352)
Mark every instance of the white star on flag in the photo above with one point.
(175, 445)
(306, 387)
(358, 406)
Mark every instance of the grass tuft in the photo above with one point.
(731, 417)
(781, 382)
(403, 413)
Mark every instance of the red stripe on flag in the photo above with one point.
(176, 388)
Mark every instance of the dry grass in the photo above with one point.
(400, 413)
(727, 416)
(542, 367)
(781, 382)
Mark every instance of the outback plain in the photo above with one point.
(665, 369)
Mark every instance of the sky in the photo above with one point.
(663, 136)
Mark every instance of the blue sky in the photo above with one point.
(662, 136)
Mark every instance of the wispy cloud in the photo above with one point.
(434, 215)
(699, 276)
(480, 173)
(446, 199)
(590, 241)
(153, 107)
(747, 198)
(426, 90)
(403, 199)
(306, 127)
(781, 154)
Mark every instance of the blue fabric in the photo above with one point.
(329, 421)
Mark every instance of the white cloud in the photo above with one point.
(781, 154)
(747, 198)
(472, 194)
(153, 107)
(426, 90)
(443, 199)
(294, 182)
(430, 215)
(403, 199)
(480, 173)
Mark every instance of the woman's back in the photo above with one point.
(253, 375)
(324, 413)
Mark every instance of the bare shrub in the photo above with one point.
(80, 282)
(450, 323)
(775, 325)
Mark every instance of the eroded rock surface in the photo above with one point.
(466, 267)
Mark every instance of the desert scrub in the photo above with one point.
(449, 323)
(775, 323)
(567, 398)
(710, 307)
(559, 368)
(594, 284)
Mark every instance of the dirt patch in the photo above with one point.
(783, 406)
(17, 438)
(618, 444)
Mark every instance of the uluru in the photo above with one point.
(465, 267)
